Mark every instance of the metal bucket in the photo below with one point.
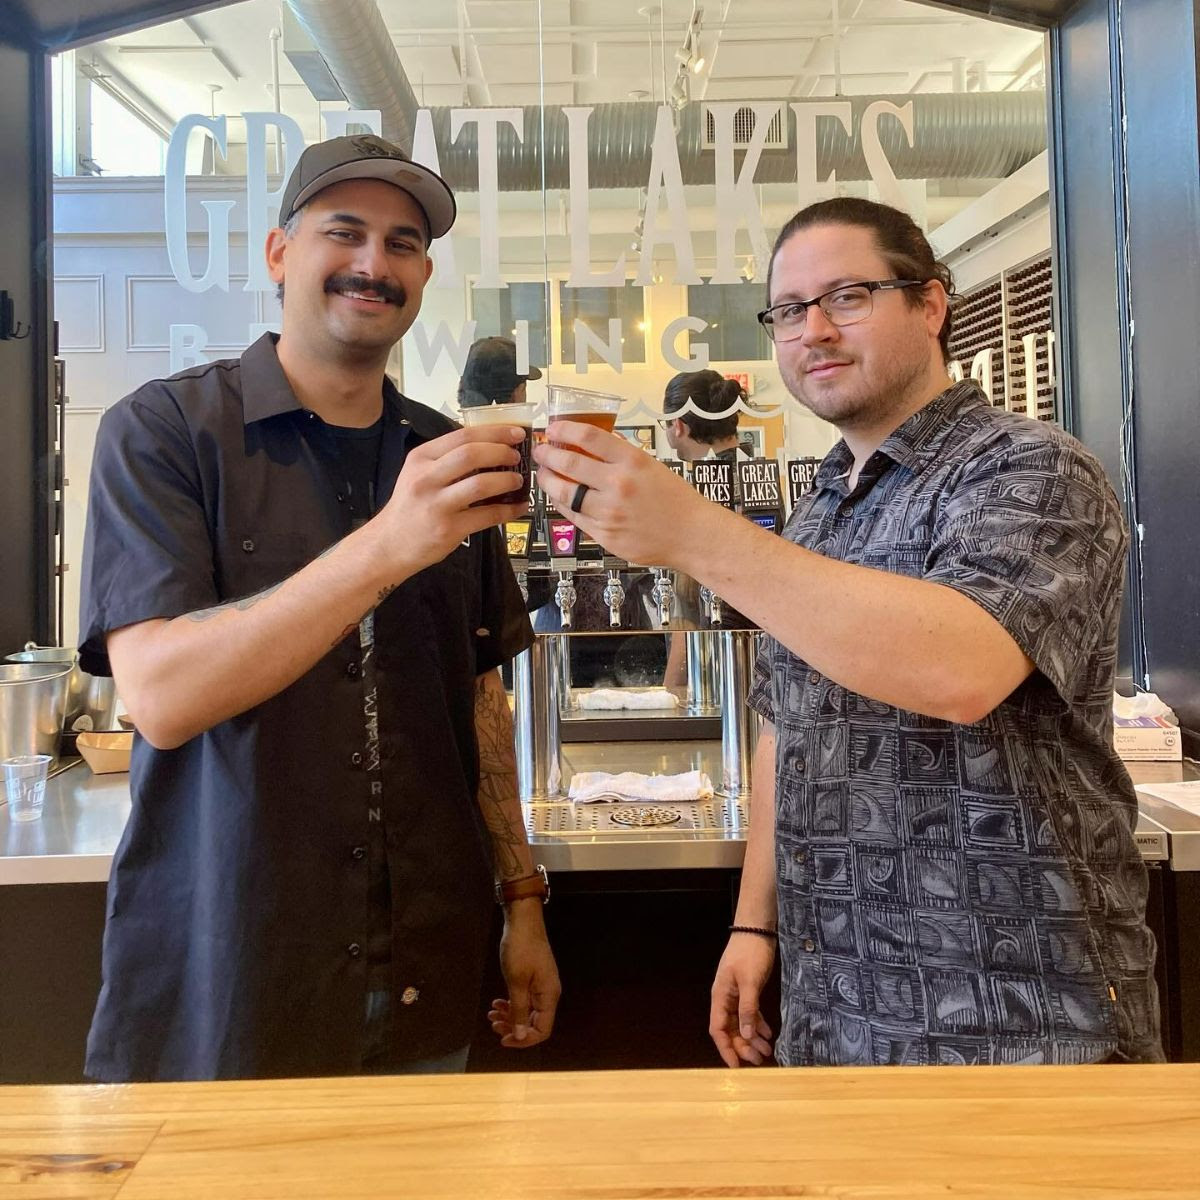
(91, 696)
(33, 699)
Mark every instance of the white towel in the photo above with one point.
(588, 787)
(615, 698)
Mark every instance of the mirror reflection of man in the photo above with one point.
(304, 614)
(693, 436)
(942, 835)
(491, 376)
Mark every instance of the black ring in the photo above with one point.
(577, 499)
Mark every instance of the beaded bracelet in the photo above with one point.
(767, 933)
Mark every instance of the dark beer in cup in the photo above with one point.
(520, 415)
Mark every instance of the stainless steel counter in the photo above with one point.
(85, 815)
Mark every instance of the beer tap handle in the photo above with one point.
(614, 597)
(565, 597)
(523, 584)
(663, 594)
(712, 606)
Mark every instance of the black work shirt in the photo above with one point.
(238, 909)
(358, 457)
(964, 893)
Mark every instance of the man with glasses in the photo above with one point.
(941, 840)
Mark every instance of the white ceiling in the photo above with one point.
(519, 52)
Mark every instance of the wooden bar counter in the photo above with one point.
(914, 1133)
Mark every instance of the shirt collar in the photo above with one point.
(918, 440)
(267, 393)
(923, 435)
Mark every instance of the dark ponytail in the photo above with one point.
(709, 391)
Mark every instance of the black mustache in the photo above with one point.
(390, 292)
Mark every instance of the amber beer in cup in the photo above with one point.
(588, 408)
(520, 415)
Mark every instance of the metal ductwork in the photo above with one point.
(355, 43)
(974, 135)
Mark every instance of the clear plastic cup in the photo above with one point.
(587, 408)
(25, 785)
(579, 404)
(520, 415)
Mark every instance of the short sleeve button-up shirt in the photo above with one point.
(964, 893)
(238, 906)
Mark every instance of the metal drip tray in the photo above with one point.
(643, 816)
(602, 837)
(719, 817)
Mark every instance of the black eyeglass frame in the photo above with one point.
(767, 321)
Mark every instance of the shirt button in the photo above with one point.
(799, 766)
(354, 949)
(341, 497)
(359, 852)
(798, 856)
(809, 945)
(352, 670)
(410, 995)
(814, 677)
(844, 510)
(248, 545)
(356, 759)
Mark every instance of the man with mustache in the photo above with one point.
(296, 577)
(941, 836)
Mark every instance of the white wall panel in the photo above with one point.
(79, 311)
(153, 303)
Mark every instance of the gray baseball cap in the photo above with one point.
(365, 156)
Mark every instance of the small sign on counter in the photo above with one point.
(1147, 739)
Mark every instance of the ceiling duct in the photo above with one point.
(308, 61)
(973, 135)
(356, 46)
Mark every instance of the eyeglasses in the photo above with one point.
(845, 305)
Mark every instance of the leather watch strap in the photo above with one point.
(526, 888)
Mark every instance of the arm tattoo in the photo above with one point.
(246, 602)
(383, 595)
(498, 800)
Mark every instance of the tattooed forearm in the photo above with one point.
(499, 803)
(384, 593)
(246, 602)
(207, 614)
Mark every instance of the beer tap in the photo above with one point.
(712, 606)
(663, 594)
(565, 597)
(614, 597)
(518, 536)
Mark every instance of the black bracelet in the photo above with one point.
(767, 933)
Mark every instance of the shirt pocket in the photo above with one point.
(250, 562)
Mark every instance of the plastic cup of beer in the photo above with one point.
(520, 415)
(588, 408)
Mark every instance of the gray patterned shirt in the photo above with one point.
(964, 893)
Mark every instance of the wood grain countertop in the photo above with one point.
(1001, 1133)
